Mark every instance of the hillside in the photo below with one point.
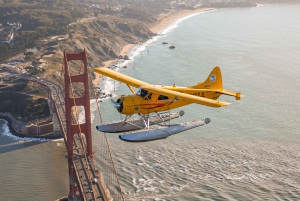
(102, 37)
(101, 27)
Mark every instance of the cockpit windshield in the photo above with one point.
(141, 92)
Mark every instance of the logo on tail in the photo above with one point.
(213, 78)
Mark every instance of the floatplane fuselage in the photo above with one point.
(155, 99)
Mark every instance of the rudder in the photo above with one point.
(213, 81)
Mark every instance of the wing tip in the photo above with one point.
(222, 104)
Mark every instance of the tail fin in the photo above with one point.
(213, 81)
(212, 87)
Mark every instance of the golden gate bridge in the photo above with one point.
(86, 182)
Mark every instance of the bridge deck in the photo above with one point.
(88, 180)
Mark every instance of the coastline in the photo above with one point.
(164, 22)
(123, 52)
(161, 24)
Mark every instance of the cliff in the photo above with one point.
(104, 37)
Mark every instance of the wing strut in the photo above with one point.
(130, 88)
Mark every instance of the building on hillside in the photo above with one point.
(39, 127)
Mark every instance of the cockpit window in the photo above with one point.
(143, 93)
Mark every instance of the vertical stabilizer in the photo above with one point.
(213, 81)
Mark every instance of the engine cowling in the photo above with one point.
(128, 104)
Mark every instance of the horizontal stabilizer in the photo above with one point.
(237, 95)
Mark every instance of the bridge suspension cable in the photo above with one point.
(120, 194)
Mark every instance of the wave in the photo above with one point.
(178, 169)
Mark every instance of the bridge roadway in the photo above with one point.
(90, 183)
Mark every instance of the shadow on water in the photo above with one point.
(8, 145)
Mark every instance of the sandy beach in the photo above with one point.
(162, 23)
(172, 17)
(123, 52)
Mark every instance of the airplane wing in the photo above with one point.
(185, 97)
(157, 89)
(120, 77)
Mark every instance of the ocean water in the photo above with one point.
(249, 151)
(31, 169)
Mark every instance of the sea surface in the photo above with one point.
(31, 169)
(249, 151)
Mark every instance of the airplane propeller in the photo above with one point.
(117, 105)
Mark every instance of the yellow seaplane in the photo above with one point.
(153, 104)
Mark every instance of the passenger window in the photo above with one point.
(162, 97)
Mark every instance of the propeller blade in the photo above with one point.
(117, 105)
(113, 101)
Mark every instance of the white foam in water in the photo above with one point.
(108, 86)
(151, 189)
(143, 184)
(93, 108)
(81, 116)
